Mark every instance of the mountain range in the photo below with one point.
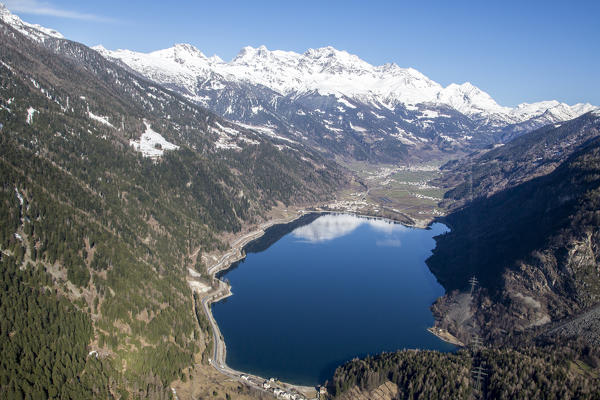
(341, 104)
(335, 102)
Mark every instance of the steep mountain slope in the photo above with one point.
(534, 249)
(340, 103)
(111, 188)
(534, 154)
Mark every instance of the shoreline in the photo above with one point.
(226, 261)
(233, 255)
(446, 336)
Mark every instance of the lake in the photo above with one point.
(328, 288)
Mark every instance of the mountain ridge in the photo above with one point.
(342, 105)
(534, 154)
(464, 97)
(335, 102)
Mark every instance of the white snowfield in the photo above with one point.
(152, 144)
(101, 119)
(331, 71)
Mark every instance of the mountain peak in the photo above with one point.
(215, 59)
(8, 17)
(468, 86)
(331, 53)
(184, 51)
(248, 53)
(321, 51)
(181, 53)
(186, 47)
(3, 9)
(469, 99)
(33, 31)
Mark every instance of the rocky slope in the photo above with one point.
(534, 249)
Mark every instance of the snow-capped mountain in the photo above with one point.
(152, 104)
(341, 103)
(33, 31)
(330, 99)
(329, 72)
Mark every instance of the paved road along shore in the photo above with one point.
(223, 291)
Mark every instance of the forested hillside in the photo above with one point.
(96, 237)
(552, 372)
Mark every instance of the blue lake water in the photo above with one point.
(337, 288)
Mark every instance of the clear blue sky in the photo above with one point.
(517, 51)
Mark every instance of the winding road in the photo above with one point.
(223, 291)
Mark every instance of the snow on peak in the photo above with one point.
(329, 54)
(180, 65)
(187, 48)
(469, 99)
(552, 111)
(182, 53)
(329, 71)
(33, 31)
(250, 53)
(325, 70)
(215, 59)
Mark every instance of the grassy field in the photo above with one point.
(400, 188)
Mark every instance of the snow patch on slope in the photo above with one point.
(30, 113)
(19, 196)
(346, 102)
(267, 131)
(152, 144)
(101, 119)
(226, 135)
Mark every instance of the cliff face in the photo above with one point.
(535, 249)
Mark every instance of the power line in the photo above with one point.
(476, 343)
(479, 373)
(473, 282)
